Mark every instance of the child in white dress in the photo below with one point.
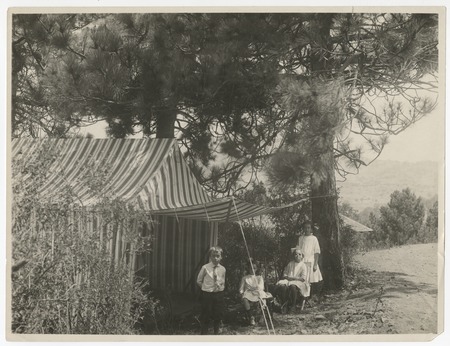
(252, 292)
(309, 245)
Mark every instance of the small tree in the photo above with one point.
(430, 231)
(402, 219)
(346, 209)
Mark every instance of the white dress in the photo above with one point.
(297, 270)
(310, 246)
(252, 288)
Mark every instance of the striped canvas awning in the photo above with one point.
(149, 174)
(355, 225)
(224, 209)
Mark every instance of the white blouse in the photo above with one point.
(309, 246)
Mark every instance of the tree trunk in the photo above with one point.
(165, 122)
(324, 198)
(325, 215)
(14, 85)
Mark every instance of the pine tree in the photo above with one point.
(346, 64)
(402, 220)
(37, 40)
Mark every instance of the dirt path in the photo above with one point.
(393, 291)
(408, 275)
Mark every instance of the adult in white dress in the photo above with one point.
(293, 285)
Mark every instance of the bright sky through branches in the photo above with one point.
(422, 141)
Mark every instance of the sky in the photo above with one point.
(422, 141)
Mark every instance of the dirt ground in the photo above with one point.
(410, 279)
(392, 291)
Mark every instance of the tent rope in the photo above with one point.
(207, 217)
(253, 270)
(176, 216)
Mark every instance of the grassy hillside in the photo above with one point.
(374, 184)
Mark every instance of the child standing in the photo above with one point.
(211, 280)
(251, 290)
(309, 245)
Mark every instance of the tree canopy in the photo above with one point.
(226, 83)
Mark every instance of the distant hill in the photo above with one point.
(374, 184)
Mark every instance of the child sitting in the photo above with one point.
(252, 291)
(211, 280)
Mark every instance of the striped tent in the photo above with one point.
(150, 175)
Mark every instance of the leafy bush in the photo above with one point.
(262, 246)
(65, 278)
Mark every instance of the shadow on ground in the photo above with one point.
(362, 307)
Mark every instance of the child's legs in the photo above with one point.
(207, 305)
(294, 294)
(250, 309)
(282, 293)
(316, 289)
(218, 306)
(269, 304)
(218, 309)
(246, 304)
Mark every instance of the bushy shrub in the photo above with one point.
(262, 245)
(78, 291)
(65, 280)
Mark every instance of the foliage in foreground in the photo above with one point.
(65, 279)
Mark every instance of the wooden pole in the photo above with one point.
(229, 210)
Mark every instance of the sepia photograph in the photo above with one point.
(225, 174)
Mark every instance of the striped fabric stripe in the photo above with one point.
(148, 173)
(179, 248)
(223, 210)
(129, 164)
(173, 186)
(177, 252)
